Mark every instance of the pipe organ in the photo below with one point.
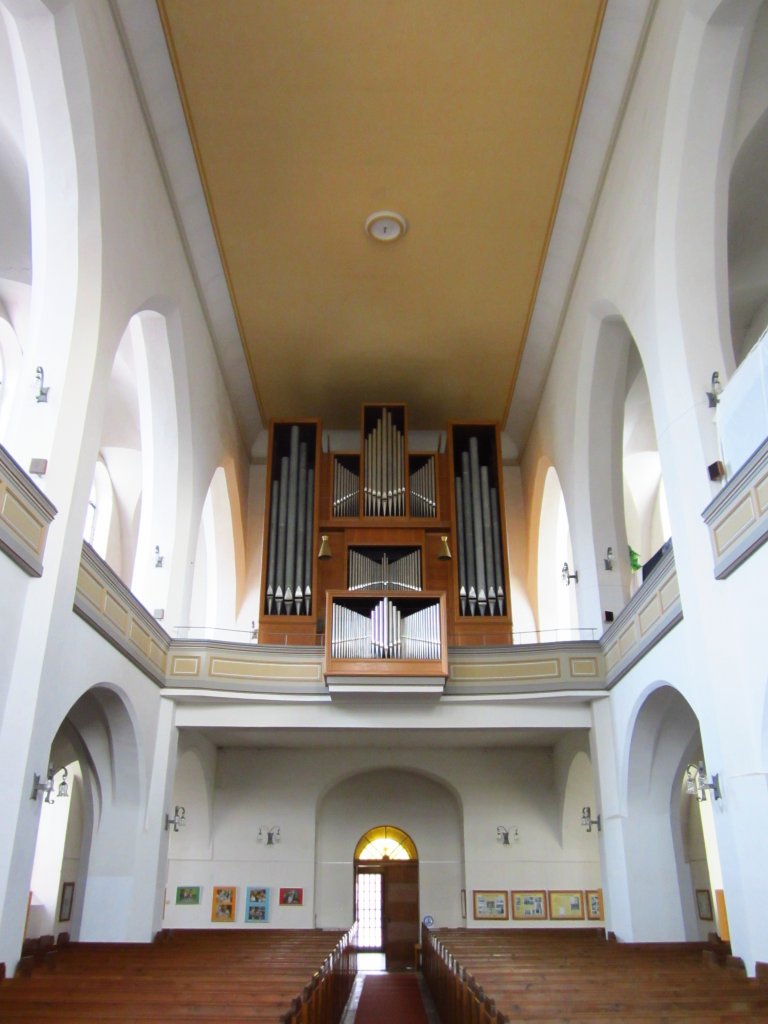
(413, 556)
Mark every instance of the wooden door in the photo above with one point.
(400, 912)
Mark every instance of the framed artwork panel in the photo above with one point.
(291, 897)
(594, 899)
(187, 895)
(223, 903)
(566, 905)
(704, 904)
(490, 905)
(65, 905)
(257, 904)
(529, 905)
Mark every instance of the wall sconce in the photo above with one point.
(271, 832)
(608, 560)
(444, 554)
(158, 557)
(713, 396)
(568, 575)
(503, 833)
(696, 782)
(178, 820)
(47, 785)
(325, 547)
(41, 394)
(588, 821)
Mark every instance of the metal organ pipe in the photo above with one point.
(478, 529)
(289, 559)
(387, 632)
(384, 473)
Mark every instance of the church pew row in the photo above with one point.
(207, 976)
(549, 976)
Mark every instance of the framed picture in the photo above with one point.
(566, 905)
(187, 895)
(463, 903)
(65, 906)
(291, 897)
(703, 902)
(529, 905)
(223, 903)
(594, 904)
(490, 905)
(256, 905)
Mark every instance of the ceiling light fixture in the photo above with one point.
(386, 226)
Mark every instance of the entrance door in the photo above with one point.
(387, 895)
(400, 913)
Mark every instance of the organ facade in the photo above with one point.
(389, 553)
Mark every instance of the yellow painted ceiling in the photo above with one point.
(309, 115)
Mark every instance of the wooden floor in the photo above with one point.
(550, 976)
(207, 976)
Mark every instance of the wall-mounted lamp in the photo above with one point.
(47, 785)
(588, 821)
(178, 820)
(270, 833)
(608, 560)
(713, 396)
(325, 547)
(444, 554)
(254, 630)
(696, 783)
(503, 834)
(158, 557)
(41, 394)
(568, 575)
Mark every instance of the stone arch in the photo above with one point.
(747, 215)
(664, 739)
(558, 615)
(415, 801)
(99, 732)
(219, 577)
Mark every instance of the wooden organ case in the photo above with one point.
(387, 554)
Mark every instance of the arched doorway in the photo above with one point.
(387, 894)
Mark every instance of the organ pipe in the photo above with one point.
(384, 468)
(384, 570)
(291, 525)
(478, 529)
(386, 631)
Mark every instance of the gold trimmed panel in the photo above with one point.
(185, 665)
(24, 524)
(762, 495)
(544, 669)
(669, 592)
(649, 614)
(740, 518)
(612, 656)
(584, 668)
(157, 654)
(236, 668)
(628, 639)
(116, 613)
(140, 637)
(90, 587)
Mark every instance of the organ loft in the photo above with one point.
(389, 552)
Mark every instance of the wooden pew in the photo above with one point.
(548, 975)
(280, 976)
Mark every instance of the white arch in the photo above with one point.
(557, 609)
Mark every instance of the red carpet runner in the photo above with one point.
(391, 999)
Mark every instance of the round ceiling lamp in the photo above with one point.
(386, 226)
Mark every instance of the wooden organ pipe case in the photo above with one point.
(290, 603)
(481, 612)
